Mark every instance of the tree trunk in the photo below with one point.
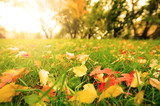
(144, 34)
(90, 33)
(89, 36)
(135, 31)
(45, 32)
(116, 30)
(71, 35)
(156, 33)
(74, 35)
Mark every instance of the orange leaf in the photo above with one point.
(70, 55)
(99, 71)
(10, 75)
(8, 92)
(37, 63)
(51, 92)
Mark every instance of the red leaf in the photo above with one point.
(112, 81)
(128, 78)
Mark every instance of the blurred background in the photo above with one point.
(69, 19)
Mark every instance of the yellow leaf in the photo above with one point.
(155, 83)
(138, 99)
(112, 91)
(37, 63)
(143, 75)
(43, 75)
(87, 95)
(134, 81)
(8, 92)
(80, 70)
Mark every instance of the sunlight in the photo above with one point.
(93, 2)
(25, 18)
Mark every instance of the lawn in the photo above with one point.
(79, 72)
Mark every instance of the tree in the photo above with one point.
(94, 20)
(70, 17)
(112, 17)
(2, 32)
(152, 17)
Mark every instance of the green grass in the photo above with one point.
(107, 53)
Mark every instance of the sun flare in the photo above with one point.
(24, 16)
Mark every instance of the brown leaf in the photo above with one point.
(138, 99)
(155, 83)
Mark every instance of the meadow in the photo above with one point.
(79, 72)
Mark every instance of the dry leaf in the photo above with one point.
(134, 82)
(138, 99)
(141, 60)
(51, 92)
(153, 63)
(112, 91)
(156, 74)
(80, 70)
(155, 83)
(8, 92)
(43, 75)
(69, 55)
(87, 95)
(37, 63)
(15, 49)
(82, 58)
(10, 75)
(23, 54)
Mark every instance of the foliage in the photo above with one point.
(79, 72)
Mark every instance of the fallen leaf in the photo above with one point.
(37, 63)
(112, 91)
(98, 70)
(112, 81)
(10, 75)
(8, 92)
(82, 58)
(128, 77)
(70, 55)
(141, 60)
(134, 82)
(43, 75)
(156, 74)
(87, 95)
(68, 93)
(76, 49)
(51, 92)
(155, 83)
(138, 99)
(15, 49)
(60, 57)
(143, 75)
(153, 63)
(80, 70)
(48, 46)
